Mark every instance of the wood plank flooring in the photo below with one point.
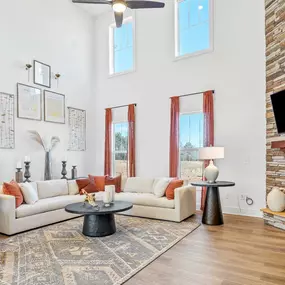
(243, 251)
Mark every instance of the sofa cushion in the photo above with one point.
(145, 199)
(13, 189)
(52, 188)
(29, 192)
(73, 188)
(160, 185)
(139, 185)
(46, 205)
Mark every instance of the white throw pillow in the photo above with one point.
(52, 188)
(73, 188)
(160, 187)
(30, 193)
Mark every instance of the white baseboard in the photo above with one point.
(240, 212)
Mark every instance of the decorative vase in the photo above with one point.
(111, 191)
(276, 200)
(107, 198)
(48, 166)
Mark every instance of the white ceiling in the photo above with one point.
(95, 9)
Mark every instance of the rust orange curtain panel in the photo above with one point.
(174, 137)
(108, 141)
(132, 141)
(208, 109)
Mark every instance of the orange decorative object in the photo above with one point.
(171, 187)
(14, 189)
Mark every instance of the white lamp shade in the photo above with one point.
(212, 152)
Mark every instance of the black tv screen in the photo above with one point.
(278, 104)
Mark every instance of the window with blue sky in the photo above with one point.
(120, 148)
(193, 26)
(191, 135)
(122, 48)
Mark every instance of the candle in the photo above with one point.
(19, 164)
(27, 159)
(64, 158)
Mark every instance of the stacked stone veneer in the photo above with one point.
(275, 81)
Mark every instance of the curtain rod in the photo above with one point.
(196, 93)
(121, 106)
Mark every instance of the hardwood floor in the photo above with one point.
(242, 251)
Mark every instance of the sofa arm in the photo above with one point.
(7, 213)
(185, 201)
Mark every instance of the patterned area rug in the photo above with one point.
(61, 255)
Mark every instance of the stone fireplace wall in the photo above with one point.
(275, 81)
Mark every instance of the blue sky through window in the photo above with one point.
(193, 26)
(123, 48)
(191, 129)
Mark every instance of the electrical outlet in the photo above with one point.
(242, 197)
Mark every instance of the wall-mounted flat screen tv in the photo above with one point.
(278, 104)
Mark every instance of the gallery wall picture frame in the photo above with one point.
(7, 122)
(54, 107)
(42, 74)
(76, 129)
(29, 102)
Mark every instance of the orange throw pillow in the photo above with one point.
(171, 187)
(87, 185)
(98, 181)
(114, 181)
(14, 189)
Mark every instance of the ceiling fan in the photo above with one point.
(119, 6)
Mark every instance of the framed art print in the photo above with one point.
(29, 102)
(54, 107)
(42, 74)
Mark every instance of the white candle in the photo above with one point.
(19, 164)
(27, 159)
(64, 158)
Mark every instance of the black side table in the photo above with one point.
(212, 214)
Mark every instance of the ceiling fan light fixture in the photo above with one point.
(119, 6)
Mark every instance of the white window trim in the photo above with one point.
(111, 48)
(114, 152)
(176, 33)
(196, 148)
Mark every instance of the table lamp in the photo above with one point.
(211, 172)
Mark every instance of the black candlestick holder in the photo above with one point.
(63, 172)
(73, 172)
(27, 173)
(19, 175)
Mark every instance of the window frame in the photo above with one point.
(195, 148)
(176, 33)
(111, 48)
(113, 148)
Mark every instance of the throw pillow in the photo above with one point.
(13, 189)
(73, 188)
(114, 181)
(99, 182)
(171, 187)
(30, 193)
(160, 187)
(89, 185)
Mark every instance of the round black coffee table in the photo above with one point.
(212, 214)
(98, 221)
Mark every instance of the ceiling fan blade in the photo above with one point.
(140, 4)
(92, 2)
(118, 19)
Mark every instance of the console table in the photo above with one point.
(212, 214)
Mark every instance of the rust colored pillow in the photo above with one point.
(87, 185)
(171, 187)
(98, 181)
(82, 183)
(114, 181)
(14, 189)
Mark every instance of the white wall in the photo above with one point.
(236, 70)
(57, 33)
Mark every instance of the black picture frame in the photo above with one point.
(45, 106)
(18, 102)
(49, 74)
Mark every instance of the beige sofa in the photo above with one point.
(54, 195)
(140, 192)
